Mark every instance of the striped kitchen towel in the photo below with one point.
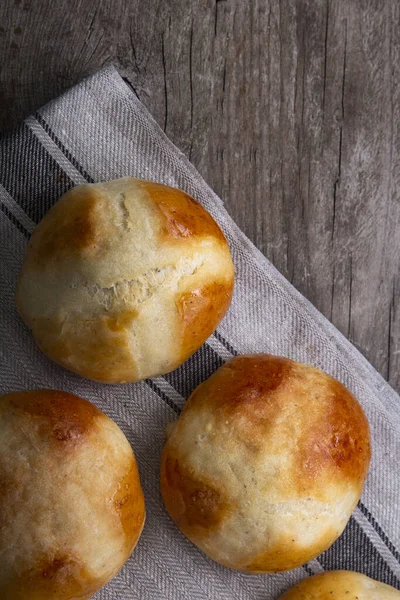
(99, 130)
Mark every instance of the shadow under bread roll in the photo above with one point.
(71, 504)
(124, 280)
(341, 585)
(266, 463)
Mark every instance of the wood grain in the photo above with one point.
(290, 110)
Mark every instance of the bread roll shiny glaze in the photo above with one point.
(124, 280)
(341, 585)
(71, 504)
(266, 463)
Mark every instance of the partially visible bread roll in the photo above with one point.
(266, 463)
(71, 503)
(341, 585)
(124, 280)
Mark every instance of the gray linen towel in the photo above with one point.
(97, 131)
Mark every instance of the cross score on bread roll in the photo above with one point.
(341, 585)
(71, 503)
(266, 463)
(124, 280)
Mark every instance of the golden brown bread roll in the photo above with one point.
(341, 585)
(71, 504)
(266, 463)
(124, 280)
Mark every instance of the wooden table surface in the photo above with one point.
(290, 110)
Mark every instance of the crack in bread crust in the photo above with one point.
(137, 290)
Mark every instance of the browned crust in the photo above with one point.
(128, 502)
(56, 576)
(201, 311)
(194, 503)
(100, 347)
(183, 217)
(340, 442)
(340, 585)
(68, 418)
(77, 231)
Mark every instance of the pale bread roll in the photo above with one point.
(124, 280)
(341, 585)
(71, 503)
(266, 463)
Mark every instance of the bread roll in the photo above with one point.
(341, 585)
(124, 280)
(71, 504)
(266, 463)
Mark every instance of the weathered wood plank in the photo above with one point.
(291, 112)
